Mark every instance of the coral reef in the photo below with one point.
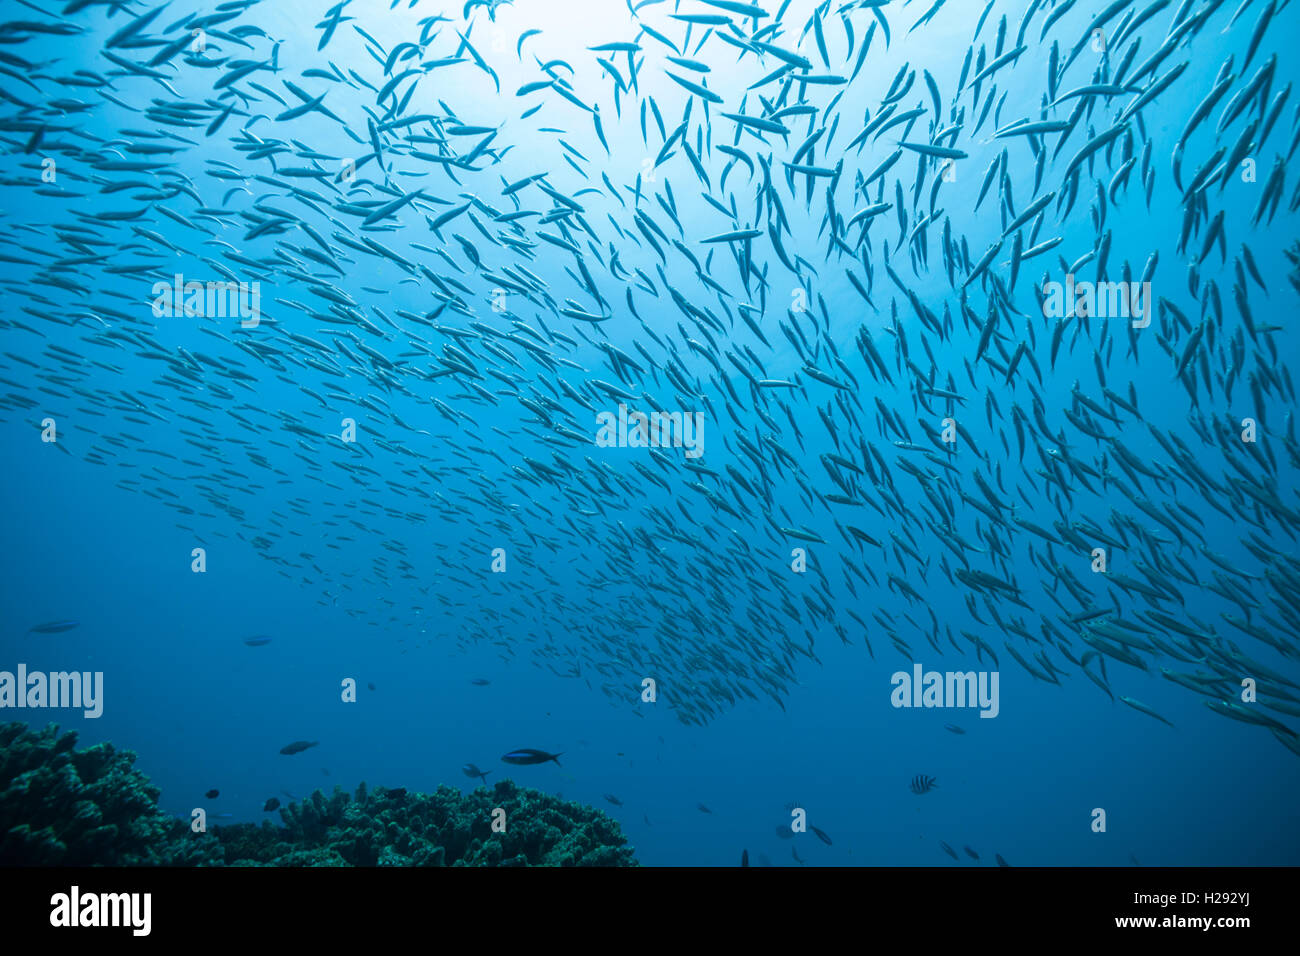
(65, 807)
(391, 827)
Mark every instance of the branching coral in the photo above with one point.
(65, 807)
(391, 827)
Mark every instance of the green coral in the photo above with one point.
(391, 827)
(65, 807)
(60, 806)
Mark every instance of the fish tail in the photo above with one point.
(556, 758)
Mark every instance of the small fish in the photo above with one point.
(53, 627)
(821, 834)
(953, 728)
(1138, 705)
(1001, 862)
(370, 686)
(298, 746)
(257, 640)
(971, 853)
(702, 808)
(923, 784)
(271, 804)
(783, 832)
(526, 756)
(213, 794)
(472, 770)
(744, 858)
(480, 682)
(949, 850)
(613, 799)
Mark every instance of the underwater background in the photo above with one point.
(373, 560)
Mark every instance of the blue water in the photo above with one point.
(203, 710)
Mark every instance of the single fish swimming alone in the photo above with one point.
(472, 770)
(527, 756)
(298, 746)
(923, 784)
(53, 627)
(257, 640)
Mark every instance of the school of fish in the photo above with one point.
(728, 209)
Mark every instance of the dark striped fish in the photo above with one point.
(923, 784)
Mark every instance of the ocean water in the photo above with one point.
(373, 559)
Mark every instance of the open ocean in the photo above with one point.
(472, 243)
